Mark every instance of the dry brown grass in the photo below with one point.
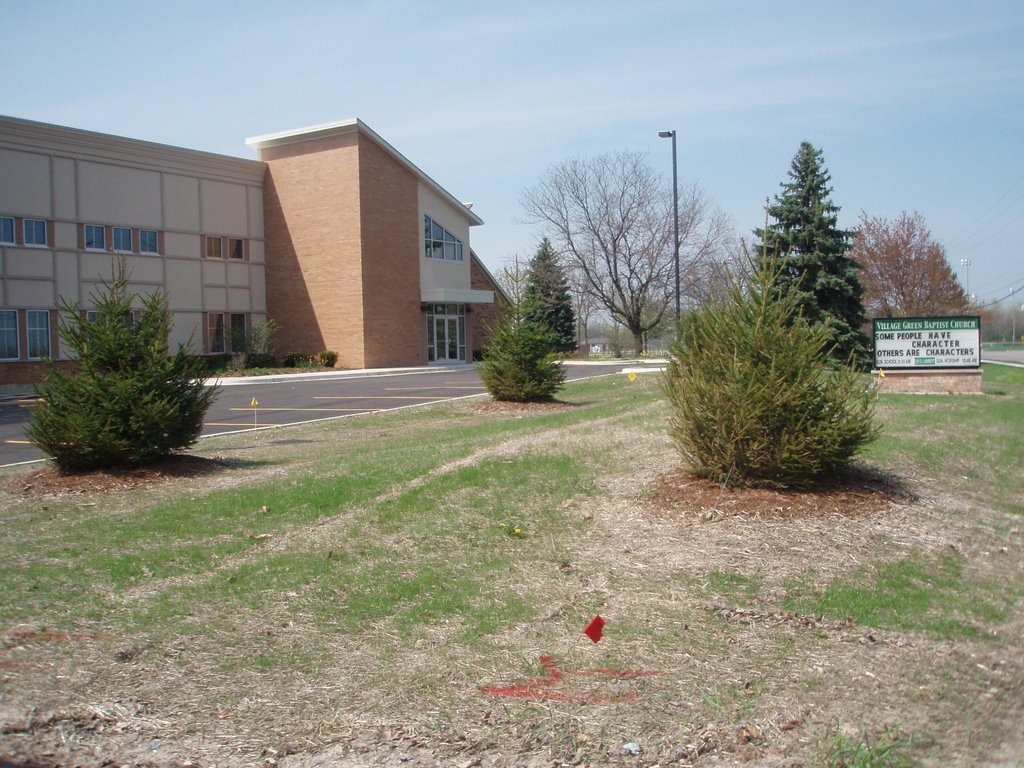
(737, 681)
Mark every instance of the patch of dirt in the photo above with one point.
(505, 406)
(51, 481)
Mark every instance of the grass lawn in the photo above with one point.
(382, 588)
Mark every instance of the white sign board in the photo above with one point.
(927, 342)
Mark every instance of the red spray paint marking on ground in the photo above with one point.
(19, 638)
(540, 687)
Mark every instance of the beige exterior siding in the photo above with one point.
(72, 178)
(329, 222)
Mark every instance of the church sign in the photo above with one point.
(927, 342)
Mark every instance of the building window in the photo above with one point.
(215, 326)
(6, 230)
(226, 332)
(95, 238)
(9, 334)
(236, 248)
(439, 243)
(122, 239)
(92, 315)
(214, 248)
(148, 241)
(38, 325)
(35, 232)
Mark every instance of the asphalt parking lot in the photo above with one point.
(267, 402)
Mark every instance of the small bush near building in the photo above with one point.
(127, 401)
(755, 398)
(327, 358)
(520, 364)
(299, 360)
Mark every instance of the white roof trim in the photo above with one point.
(353, 125)
(62, 141)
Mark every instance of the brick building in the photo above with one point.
(332, 233)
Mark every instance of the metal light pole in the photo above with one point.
(675, 208)
(966, 264)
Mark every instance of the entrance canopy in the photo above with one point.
(456, 296)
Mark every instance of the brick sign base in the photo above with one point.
(943, 382)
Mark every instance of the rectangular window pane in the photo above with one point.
(148, 241)
(216, 326)
(122, 237)
(8, 334)
(35, 232)
(237, 332)
(236, 248)
(91, 315)
(94, 237)
(38, 333)
(214, 246)
(453, 340)
(6, 230)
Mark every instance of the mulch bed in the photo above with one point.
(51, 481)
(503, 406)
(857, 492)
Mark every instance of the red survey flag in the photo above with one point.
(593, 630)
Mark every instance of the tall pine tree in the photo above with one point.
(546, 299)
(814, 254)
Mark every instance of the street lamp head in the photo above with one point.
(666, 134)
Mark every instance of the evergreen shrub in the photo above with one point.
(127, 401)
(756, 399)
(520, 363)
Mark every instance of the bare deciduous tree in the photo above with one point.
(512, 279)
(905, 272)
(583, 304)
(611, 216)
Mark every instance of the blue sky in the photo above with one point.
(916, 104)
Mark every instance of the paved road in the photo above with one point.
(296, 400)
(1003, 356)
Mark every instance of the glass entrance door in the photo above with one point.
(446, 333)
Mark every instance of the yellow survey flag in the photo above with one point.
(632, 376)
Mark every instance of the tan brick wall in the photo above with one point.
(482, 316)
(393, 325)
(20, 377)
(314, 264)
(930, 382)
